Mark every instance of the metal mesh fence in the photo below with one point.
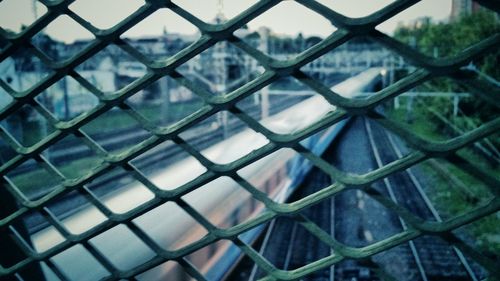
(348, 28)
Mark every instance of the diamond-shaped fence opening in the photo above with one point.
(110, 172)
(211, 10)
(268, 39)
(17, 22)
(161, 46)
(102, 18)
(48, 40)
(32, 67)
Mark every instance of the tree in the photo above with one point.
(448, 40)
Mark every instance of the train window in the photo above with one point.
(212, 249)
(234, 217)
(278, 175)
(272, 181)
(252, 204)
(267, 187)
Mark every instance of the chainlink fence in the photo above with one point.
(15, 204)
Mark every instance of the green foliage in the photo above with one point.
(449, 39)
(446, 197)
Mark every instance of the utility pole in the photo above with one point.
(37, 69)
(220, 7)
(165, 100)
(409, 104)
(221, 70)
(164, 89)
(264, 93)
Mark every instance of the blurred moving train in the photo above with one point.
(223, 202)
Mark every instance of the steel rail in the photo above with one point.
(347, 29)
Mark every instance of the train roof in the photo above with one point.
(182, 172)
(288, 121)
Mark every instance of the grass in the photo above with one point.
(111, 120)
(45, 182)
(26, 184)
(32, 131)
(419, 124)
(448, 199)
(114, 120)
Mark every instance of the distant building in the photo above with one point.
(221, 68)
(465, 7)
(158, 47)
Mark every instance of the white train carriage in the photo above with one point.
(222, 201)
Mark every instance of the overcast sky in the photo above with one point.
(287, 17)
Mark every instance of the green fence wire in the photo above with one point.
(347, 28)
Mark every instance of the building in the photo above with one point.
(459, 7)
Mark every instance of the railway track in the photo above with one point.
(357, 220)
(295, 247)
(360, 220)
(201, 137)
(438, 260)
